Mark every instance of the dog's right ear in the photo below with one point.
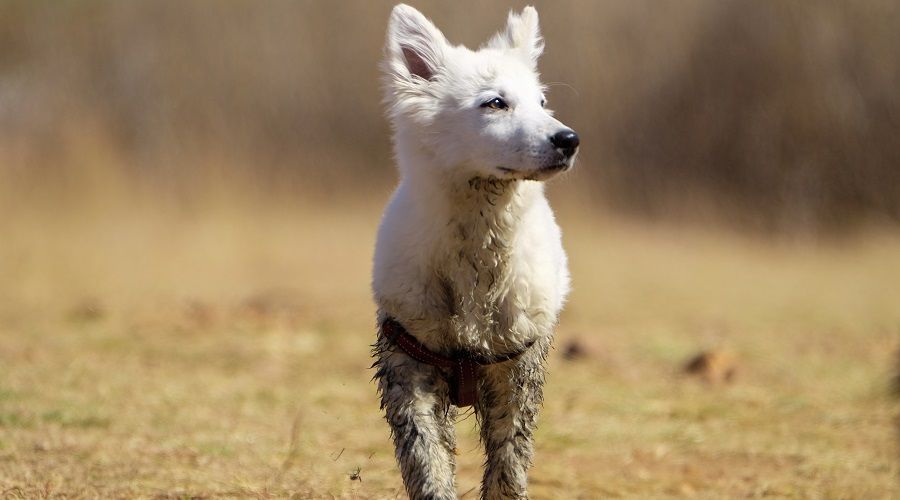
(415, 47)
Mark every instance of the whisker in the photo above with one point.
(563, 84)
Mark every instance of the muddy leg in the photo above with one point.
(511, 397)
(415, 399)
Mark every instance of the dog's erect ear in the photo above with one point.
(522, 35)
(415, 47)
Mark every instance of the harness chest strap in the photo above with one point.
(464, 371)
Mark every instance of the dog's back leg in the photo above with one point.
(511, 395)
(416, 402)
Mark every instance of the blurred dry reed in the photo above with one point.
(772, 115)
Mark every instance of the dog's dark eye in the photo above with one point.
(495, 103)
(543, 102)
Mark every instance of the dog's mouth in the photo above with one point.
(559, 167)
(539, 174)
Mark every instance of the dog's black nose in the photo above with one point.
(565, 139)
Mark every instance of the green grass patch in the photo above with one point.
(66, 419)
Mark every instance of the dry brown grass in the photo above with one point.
(224, 352)
(170, 327)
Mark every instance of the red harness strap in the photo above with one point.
(464, 371)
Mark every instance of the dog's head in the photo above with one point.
(483, 111)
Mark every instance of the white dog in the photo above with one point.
(470, 274)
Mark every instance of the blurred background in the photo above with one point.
(776, 116)
(189, 193)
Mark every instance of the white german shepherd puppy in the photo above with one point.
(470, 274)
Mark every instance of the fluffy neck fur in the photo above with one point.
(471, 241)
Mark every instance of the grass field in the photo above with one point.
(224, 353)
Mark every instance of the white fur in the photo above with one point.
(442, 140)
(469, 256)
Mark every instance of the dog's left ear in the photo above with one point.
(522, 35)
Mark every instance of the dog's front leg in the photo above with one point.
(417, 407)
(511, 396)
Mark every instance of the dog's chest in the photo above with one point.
(491, 299)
